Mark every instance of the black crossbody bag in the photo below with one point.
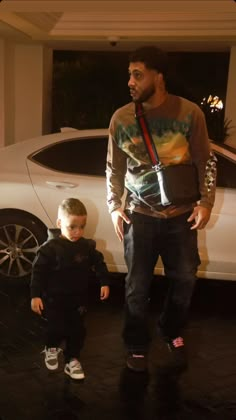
(178, 183)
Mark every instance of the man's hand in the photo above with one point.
(201, 216)
(37, 305)
(118, 217)
(105, 291)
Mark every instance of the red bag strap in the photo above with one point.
(146, 135)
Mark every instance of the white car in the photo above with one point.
(37, 174)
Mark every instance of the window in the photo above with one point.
(85, 156)
(226, 172)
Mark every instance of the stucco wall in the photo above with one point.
(230, 107)
(25, 91)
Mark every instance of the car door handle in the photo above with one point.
(61, 185)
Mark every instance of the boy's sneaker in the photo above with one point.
(137, 362)
(51, 357)
(74, 369)
(178, 353)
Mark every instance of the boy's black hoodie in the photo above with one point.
(63, 268)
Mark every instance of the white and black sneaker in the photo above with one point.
(74, 369)
(137, 362)
(51, 357)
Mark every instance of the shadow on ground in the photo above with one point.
(206, 391)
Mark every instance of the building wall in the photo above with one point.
(25, 91)
(2, 114)
(230, 106)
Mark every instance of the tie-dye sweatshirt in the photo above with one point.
(179, 131)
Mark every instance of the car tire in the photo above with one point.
(21, 234)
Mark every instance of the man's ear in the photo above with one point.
(59, 223)
(161, 81)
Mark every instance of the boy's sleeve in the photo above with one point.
(99, 265)
(40, 271)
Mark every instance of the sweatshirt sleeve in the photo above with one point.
(203, 158)
(115, 171)
(98, 264)
(40, 271)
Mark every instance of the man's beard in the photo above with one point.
(145, 95)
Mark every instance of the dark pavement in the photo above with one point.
(207, 390)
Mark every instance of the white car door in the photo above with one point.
(217, 242)
(49, 171)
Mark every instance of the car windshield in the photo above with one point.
(226, 172)
(85, 156)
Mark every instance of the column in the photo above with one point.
(33, 78)
(230, 106)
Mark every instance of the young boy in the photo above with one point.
(59, 285)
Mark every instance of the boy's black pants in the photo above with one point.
(65, 322)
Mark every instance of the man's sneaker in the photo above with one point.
(178, 353)
(74, 369)
(51, 357)
(137, 362)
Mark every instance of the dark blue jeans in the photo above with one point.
(145, 240)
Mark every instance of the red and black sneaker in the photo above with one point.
(178, 353)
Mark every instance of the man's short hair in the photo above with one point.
(154, 58)
(72, 206)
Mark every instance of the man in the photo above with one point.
(179, 131)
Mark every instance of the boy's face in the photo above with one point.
(72, 226)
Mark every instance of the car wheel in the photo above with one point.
(20, 236)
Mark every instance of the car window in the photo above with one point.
(226, 172)
(85, 156)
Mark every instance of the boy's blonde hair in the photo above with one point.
(71, 206)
